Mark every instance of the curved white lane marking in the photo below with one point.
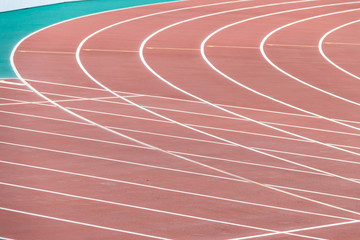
(138, 141)
(263, 149)
(114, 93)
(293, 77)
(228, 111)
(259, 93)
(194, 129)
(185, 100)
(320, 47)
(298, 230)
(218, 170)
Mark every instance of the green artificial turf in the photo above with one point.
(15, 25)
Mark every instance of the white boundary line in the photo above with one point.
(252, 90)
(11, 83)
(320, 47)
(194, 125)
(175, 191)
(104, 99)
(298, 79)
(79, 223)
(151, 210)
(176, 152)
(263, 149)
(157, 167)
(191, 101)
(298, 230)
(141, 52)
(170, 136)
(175, 170)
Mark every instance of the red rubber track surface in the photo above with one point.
(121, 126)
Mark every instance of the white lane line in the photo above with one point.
(173, 99)
(252, 90)
(153, 166)
(47, 93)
(191, 101)
(123, 135)
(299, 230)
(150, 209)
(141, 52)
(44, 103)
(298, 79)
(73, 136)
(80, 223)
(178, 156)
(263, 149)
(104, 99)
(47, 118)
(175, 152)
(131, 130)
(181, 153)
(310, 156)
(101, 99)
(120, 161)
(320, 47)
(205, 133)
(176, 191)
(194, 139)
(156, 167)
(253, 164)
(11, 83)
(318, 193)
(194, 125)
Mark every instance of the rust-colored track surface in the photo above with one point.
(199, 119)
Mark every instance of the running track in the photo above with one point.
(198, 119)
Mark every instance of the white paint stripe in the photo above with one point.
(298, 79)
(149, 209)
(44, 103)
(216, 137)
(252, 90)
(141, 52)
(80, 223)
(200, 126)
(175, 152)
(11, 83)
(47, 118)
(101, 99)
(119, 161)
(156, 167)
(300, 229)
(318, 193)
(176, 191)
(72, 136)
(181, 153)
(197, 163)
(192, 101)
(320, 47)
(310, 156)
(124, 129)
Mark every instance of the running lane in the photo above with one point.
(184, 169)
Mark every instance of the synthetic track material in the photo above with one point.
(127, 122)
